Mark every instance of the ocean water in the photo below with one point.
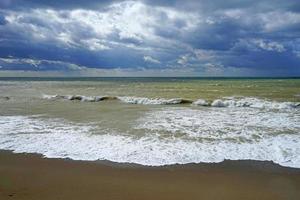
(152, 121)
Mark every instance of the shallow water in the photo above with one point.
(146, 121)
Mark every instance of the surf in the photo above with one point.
(251, 102)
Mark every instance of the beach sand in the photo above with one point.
(29, 176)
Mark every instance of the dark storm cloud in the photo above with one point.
(216, 5)
(2, 20)
(192, 35)
(61, 4)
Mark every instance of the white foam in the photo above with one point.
(226, 123)
(125, 99)
(88, 99)
(210, 137)
(219, 103)
(74, 97)
(201, 102)
(225, 102)
(49, 97)
(231, 133)
(150, 101)
(253, 103)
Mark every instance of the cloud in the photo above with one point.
(183, 59)
(189, 36)
(278, 20)
(269, 46)
(204, 55)
(37, 65)
(58, 5)
(151, 60)
(2, 20)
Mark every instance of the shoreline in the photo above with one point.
(30, 176)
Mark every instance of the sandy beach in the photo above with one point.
(29, 176)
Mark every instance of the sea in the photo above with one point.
(153, 121)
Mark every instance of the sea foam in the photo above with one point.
(224, 102)
(172, 136)
(78, 98)
(153, 101)
(253, 103)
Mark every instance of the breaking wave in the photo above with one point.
(153, 101)
(253, 103)
(224, 102)
(218, 138)
(78, 98)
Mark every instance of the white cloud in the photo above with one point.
(203, 55)
(95, 30)
(269, 45)
(32, 62)
(95, 44)
(196, 57)
(40, 63)
(234, 13)
(151, 60)
(277, 20)
(214, 69)
(183, 59)
(135, 30)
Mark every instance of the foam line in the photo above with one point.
(225, 102)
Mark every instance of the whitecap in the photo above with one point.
(152, 101)
(201, 102)
(58, 138)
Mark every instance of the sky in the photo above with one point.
(150, 38)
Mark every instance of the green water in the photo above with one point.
(189, 88)
(26, 95)
(150, 134)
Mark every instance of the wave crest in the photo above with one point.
(79, 98)
(153, 101)
(253, 103)
(250, 102)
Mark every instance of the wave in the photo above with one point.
(125, 99)
(154, 101)
(57, 138)
(224, 102)
(253, 103)
(79, 98)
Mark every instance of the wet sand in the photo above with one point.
(29, 176)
